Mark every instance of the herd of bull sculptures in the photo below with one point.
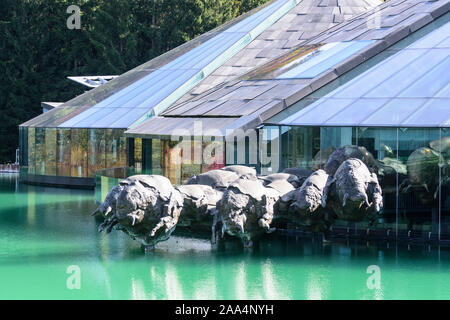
(235, 201)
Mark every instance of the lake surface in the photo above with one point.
(47, 232)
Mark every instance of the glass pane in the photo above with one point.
(63, 152)
(382, 145)
(377, 75)
(138, 154)
(269, 150)
(432, 114)
(356, 112)
(156, 156)
(394, 112)
(332, 138)
(444, 147)
(40, 151)
(300, 145)
(79, 152)
(392, 86)
(336, 137)
(214, 154)
(325, 58)
(418, 206)
(431, 83)
(50, 151)
(171, 162)
(115, 148)
(434, 38)
(319, 112)
(31, 150)
(96, 151)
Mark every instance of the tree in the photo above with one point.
(38, 51)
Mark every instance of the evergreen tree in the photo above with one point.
(38, 51)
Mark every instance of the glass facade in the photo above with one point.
(412, 165)
(176, 160)
(71, 152)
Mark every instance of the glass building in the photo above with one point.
(255, 103)
(391, 100)
(68, 144)
(399, 111)
(280, 87)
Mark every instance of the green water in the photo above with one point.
(43, 231)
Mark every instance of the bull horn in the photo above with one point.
(367, 202)
(241, 225)
(344, 202)
(108, 211)
(133, 220)
(95, 212)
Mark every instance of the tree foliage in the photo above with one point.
(38, 51)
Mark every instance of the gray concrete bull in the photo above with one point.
(354, 193)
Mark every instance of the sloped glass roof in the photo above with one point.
(324, 58)
(152, 87)
(409, 89)
(307, 62)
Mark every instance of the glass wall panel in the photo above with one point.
(213, 154)
(445, 183)
(138, 154)
(191, 159)
(180, 160)
(418, 204)
(299, 146)
(336, 137)
(332, 138)
(63, 152)
(79, 152)
(31, 150)
(269, 150)
(156, 156)
(50, 151)
(23, 147)
(72, 152)
(382, 145)
(121, 157)
(96, 151)
(40, 151)
(412, 165)
(171, 161)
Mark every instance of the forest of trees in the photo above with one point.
(38, 51)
